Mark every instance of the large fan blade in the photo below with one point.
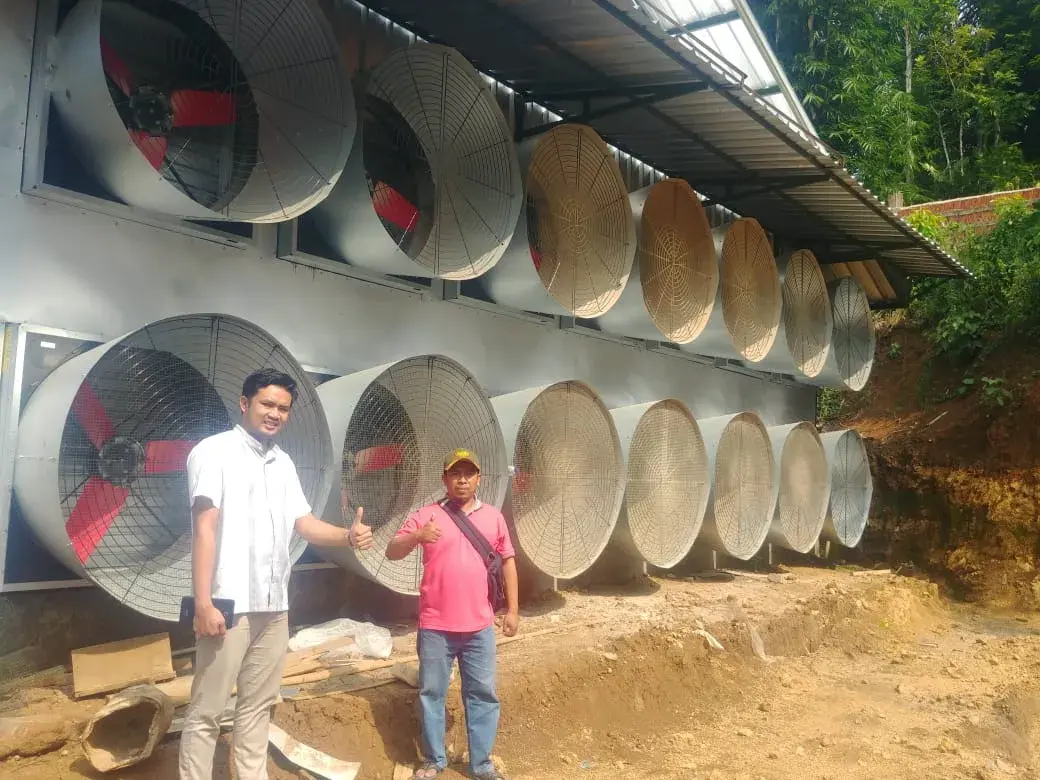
(96, 509)
(163, 457)
(380, 457)
(393, 207)
(521, 482)
(198, 108)
(152, 147)
(92, 417)
(536, 258)
(116, 69)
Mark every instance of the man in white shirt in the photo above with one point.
(246, 501)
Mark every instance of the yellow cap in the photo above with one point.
(457, 456)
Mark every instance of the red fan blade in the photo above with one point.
(536, 258)
(393, 207)
(91, 416)
(152, 147)
(97, 508)
(115, 68)
(163, 457)
(377, 458)
(197, 108)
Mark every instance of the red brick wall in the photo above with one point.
(974, 210)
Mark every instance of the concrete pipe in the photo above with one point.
(575, 240)
(852, 487)
(804, 339)
(264, 141)
(667, 488)
(746, 316)
(432, 187)
(568, 475)
(392, 426)
(675, 278)
(103, 441)
(851, 357)
(803, 486)
(743, 487)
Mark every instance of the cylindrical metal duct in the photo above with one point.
(391, 427)
(675, 278)
(746, 316)
(575, 240)
(804, 338)
(568, 475)
(103, 441)
(666, 492)
(743, 488)
(851, 356)
(204, 109)
(803, 486)
(432, 187)
(852, 487)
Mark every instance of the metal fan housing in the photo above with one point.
(102, 445)
(393, 425)
(803, 486)
(851, 357)
(852, 487)
(804, 339)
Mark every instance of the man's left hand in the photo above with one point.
(509, 623)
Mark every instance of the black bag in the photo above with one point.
(492, 560)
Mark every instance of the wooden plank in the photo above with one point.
(116, 665)
(841, 270)
(859, 273)
(878, 275)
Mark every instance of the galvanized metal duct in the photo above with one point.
(252, 118)
(746, 316)
(568, 475)
(852, 487)
(671, 290)
(392, 426)
(432, 187)
(103, 441)
(804, 339)
(744, 484)
(667, 488)
(803, 486)
(575, 240)
(851, 357)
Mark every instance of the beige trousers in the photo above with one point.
(250, 655)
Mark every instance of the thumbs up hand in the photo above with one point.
(360, 534)
(429, 533)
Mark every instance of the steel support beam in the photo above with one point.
(704, 24)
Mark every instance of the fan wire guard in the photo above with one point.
(392, 426)
(744, 483)
(573, 249)
(568, 475)
(751, 296)
(668, 483)
(437, 163)
(804, 486)
(259, 131)
(807, 313)
(852, 487)
(851, 357)
(127, 413)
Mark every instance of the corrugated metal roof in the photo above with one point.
(645, 74)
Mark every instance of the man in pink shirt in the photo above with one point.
(456, 619)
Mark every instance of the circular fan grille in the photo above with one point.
(403, 425)
(121, 467)
(807, 313)
(579, 221)
(751, 296)
(804, 488)
(853, 341)
(678, 267)
(743, 500)
(440, 161)
(668, 484)
(568, 480)
(851, 487)
(219, 112)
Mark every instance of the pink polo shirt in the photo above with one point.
(453, 595)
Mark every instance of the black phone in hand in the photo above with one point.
(226, 607)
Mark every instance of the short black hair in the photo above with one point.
(266, 377)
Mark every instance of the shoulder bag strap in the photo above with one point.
(475, 537)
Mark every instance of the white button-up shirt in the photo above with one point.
(258, 493)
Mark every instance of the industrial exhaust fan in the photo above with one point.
(104, 439)
(206, 109)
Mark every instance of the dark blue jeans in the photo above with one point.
(476, 654)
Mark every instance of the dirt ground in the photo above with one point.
(859, 676)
